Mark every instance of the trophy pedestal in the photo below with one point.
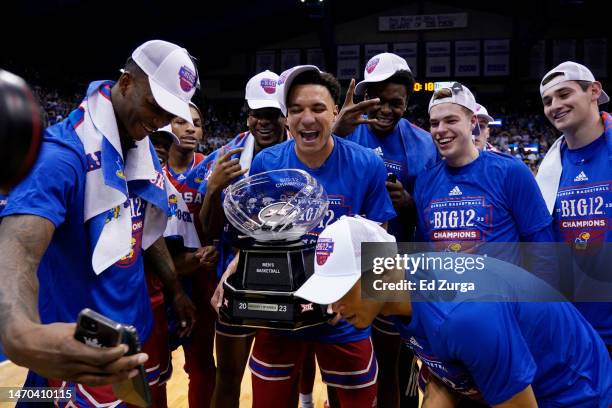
(260, 293)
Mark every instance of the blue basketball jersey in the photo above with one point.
(354, 180)
(583, 219)
(492, 350)
(55, 190)
(493, 199)
(406, 151)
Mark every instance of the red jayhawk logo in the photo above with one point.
(325, 246)
(372, 65)
(187, 78)
(268, 85)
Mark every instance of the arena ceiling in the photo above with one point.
(61, 34)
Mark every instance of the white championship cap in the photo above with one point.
(460, 95)
(481, 112)
(284, 83)
(261, 91)
(379, 68)
(570, 71)
(168, 131)
(172, 75)
(338, 258)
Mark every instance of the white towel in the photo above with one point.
(549, 174)
(106, 187)
(246, 157)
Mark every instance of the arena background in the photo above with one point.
(499, 49)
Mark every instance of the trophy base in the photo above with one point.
(260, 293)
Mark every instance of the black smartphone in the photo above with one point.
(97, 330)
(391, 177)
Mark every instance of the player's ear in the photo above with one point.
(474, 122)
(596, 90)
(336, 110)
(125, 81)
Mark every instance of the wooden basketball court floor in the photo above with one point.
(13, 376)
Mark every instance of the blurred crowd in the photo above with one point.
(526, 136)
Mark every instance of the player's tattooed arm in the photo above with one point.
(49, 349)
(159, 259)
(23, 241)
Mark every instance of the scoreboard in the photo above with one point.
(423, 86)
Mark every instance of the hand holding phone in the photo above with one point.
(97, 330)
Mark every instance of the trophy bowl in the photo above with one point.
(274, 210)
(278, 205)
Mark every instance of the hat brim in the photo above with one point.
(326, 290)
(487, 117)
(361, 86)
(287, 83)
(167, 130)
(263, 103)
(169, 102)
(603, 98)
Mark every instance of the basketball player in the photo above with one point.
(406, 150)
(577, 170)
(496, 353)
(345, 355)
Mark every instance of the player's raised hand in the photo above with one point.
(351, 114)
(225, 170)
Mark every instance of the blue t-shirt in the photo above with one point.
(402, 158)
(493, 350)
(354, 179)
(582, 218)
(55, 190)
(495, 198)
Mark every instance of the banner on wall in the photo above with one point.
(596, 56)
(314, 56)
(264, 60)
(348, 62)
(408, 51)
(289, 58)
(373, 49)
(438, 59)
(496, 57)
(467, 58)
(422, 22)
